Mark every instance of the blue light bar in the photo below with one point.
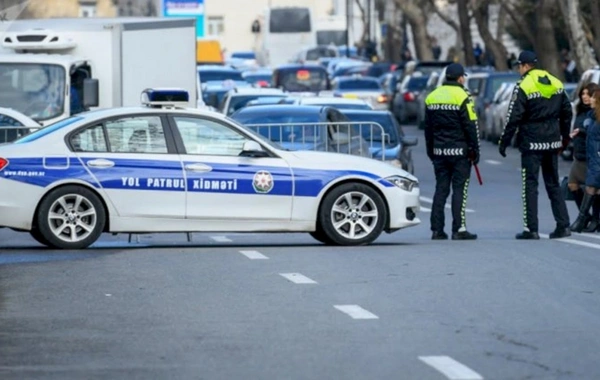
(156, 97)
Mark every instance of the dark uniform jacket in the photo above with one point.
(579, 150)
(450, 122)
(539, 113)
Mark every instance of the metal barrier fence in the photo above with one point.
(9, 134)
(356, 138)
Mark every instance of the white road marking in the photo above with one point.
(573, 241)
(297, 278)
(221, 239)
(452, 369)
(254, 255)
(429, 200)
(592, 235)
(493, 162)
(356, 312)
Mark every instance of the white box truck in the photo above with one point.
(51, 69)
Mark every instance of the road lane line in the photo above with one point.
(297, 278)
(221, 239)
(356, 312)
(452, 369)
(493, 162)
(573, 241)
(254, 255)
(429, 200)
(591, 235)
(425, 209)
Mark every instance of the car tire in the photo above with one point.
(320, 236)
(335, 208)
(37, 236)
(84, 218)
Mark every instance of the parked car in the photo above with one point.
(14, 124)
(405, 104)
(213, 92)
(217, 73)
(364, 88)
(396, 148)
(304, 128)
(485, 94)
(237, 98)
(270, 101)
(420, 101)
(492, 128)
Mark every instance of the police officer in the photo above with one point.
(540, 114)
(452, 139)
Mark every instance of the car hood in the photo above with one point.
(340, 161)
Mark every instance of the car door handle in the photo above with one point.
(198, 168)
(101, 163)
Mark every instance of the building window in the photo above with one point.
(87, 9)
(215, 26)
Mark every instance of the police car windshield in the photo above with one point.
(371, 132)
(359, 84)
(220, 75)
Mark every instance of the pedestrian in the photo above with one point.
(541, 113)
(452, 140)
(577, 174)
(592, 178)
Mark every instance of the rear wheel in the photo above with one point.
(352, 214)
(70, 217)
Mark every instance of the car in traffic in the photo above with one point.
(333, 101)
(259, 78)
(213, 92)
(405, 104)
(306, 78)
(484, 95)
(218, 73)
(14, 124)
(317, 128)
(394, 147)
(363, 88)
(164, 167)
(237, 98)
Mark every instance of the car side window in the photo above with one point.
(139, 134)
(89, 140)
(7, 121)
(207, 137)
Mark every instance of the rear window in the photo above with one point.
(213, 76)
(289, 20)
(359, 85)
(417, 83)
(245, 55)
(303, 80)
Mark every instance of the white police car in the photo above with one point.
(165, 168)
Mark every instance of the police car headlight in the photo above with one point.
(403, 183)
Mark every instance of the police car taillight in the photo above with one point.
(3, 163)
(165, 97)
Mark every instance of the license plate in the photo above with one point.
(351, 96)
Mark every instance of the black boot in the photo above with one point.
(578, 197)
(584, 211)
(594, 224)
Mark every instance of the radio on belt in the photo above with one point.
(165, 98)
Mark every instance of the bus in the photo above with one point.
(287, 31)
(332, 31)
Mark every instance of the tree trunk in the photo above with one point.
(465, 33)
(545, 44)
(492, 45)
(417, 20)
(595, 7)
(579, 43)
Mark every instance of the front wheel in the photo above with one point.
(71, 217)
(352, 214)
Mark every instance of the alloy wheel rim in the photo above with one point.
(72, 218)
(354, 215)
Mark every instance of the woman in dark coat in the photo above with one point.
(579, 166)
(592, 178)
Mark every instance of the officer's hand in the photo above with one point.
(473, 157)
(502, 150)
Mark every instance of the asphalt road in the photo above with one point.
(281, 306)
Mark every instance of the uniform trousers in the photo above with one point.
(453, 171)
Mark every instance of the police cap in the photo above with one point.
(455, 71)
(527, 57)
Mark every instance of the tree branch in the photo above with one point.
(447, 19)
(519, 22)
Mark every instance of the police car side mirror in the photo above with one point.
(91, 93)
(253, 149)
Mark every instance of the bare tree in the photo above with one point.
(415, 12)
(577, 39)
(364, 17)
(454, 25)
(545, 42)
(465, 32)
(595, 11)
(493, 46)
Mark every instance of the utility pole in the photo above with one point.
(369, 16)
(348, 2)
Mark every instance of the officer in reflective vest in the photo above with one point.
(452, 139)
(540, 115)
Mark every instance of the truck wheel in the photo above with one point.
(71, 217)
(352, 214)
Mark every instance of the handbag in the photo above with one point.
(564, 188)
